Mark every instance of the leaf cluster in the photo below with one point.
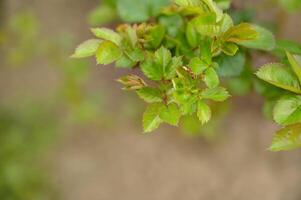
(182, 53)
(286, 109)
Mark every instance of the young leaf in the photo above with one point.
(197, 66)
(171, 114)
(132, 82)
(86, 49)
(223, 4)
(131, 35)
(162, 57)
(288, 138)
(107, 34)
(211, 78)
(189, 106)
(152, 70)
(240, 33)
(192, 35)
(135, 54)
(264, 41)
(151, 118)
(171, 69)
(150, 95)
(280, 76)
(187, 2)
(203, 112)
(107, 53)
(206, 25)
(229, 49)
(205, 50)
(287, 110)
(296, 66)
(226, 23)
(216, 94)
(214, 8)
(155, 36)
(124, 62)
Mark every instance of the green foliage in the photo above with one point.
(290, 5)
(283, 46)
(280, 76)
(287, 138)
(183, 52)
(25, 133)
(151, 117)
(126, 10)
(204, 112)
(87, 49)
(265, 40)
(287, 109)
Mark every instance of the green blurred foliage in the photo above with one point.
(19, 39)
(290, 5)
(125, 10)
(26, 131)
(192, 127)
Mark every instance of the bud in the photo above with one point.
(132, 82)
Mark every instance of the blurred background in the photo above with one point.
(68, 132)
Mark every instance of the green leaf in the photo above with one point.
(240, 33)
(229, 49)
(171, 69)
(197, 66)
(265, 40)
(171, 114)
(214, 8)
(226, 23)
(287, 110)
(231, 66)
(131, 35)
(135, 54)
(150, 95)
(203, 112)
(285, 45)
(139, 11)
(151, 118)
(192, 35)
(152, 70)
(107, 34)
(172, 24)
(296, 66)
(216, 94)
(187, 2)
(155, 36)
(205, 50)
(211, 78)
(189, 106)
(125, 62)
(206, 25)
(162, 57)
(223, 4)
(280, 76)
(288, 138)
(107, 53)
(86, 49)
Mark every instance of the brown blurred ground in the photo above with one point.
(123, 164)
